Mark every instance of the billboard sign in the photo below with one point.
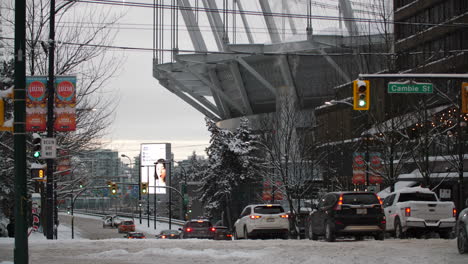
(154, 158)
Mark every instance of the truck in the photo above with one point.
(418, 211)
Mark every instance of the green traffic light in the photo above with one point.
(37, 154)
(362, 103)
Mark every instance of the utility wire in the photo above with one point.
(273, 14)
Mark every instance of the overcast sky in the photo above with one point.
(147, 112)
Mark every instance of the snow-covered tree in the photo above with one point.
(231, 163)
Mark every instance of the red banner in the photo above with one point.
(65, 102)
(36, 103)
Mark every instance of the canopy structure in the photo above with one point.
(244, 54)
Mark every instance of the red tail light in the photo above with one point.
(229, 235)
(454, 212)
(338, 222)
(212, 229)
(163, 236)
(188, 229)
(284, 216)
(339, 204)
(408, 211)
(255, 217)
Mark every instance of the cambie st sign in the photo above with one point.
(407, 87)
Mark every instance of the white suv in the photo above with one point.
(262, 219)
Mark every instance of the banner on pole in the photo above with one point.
(36, 103)
(65, 102)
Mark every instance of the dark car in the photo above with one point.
(462, 232)
(169, 234)
(347, 213)
(222, 233)
(135, 235)
(200, 228)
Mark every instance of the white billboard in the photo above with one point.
(155, 156)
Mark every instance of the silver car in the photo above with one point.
(462, 232)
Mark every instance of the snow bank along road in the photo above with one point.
(120, 251)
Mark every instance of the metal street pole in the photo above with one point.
(50, 207)
(21, 251)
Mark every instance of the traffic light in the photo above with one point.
(109, 184)
(37, 141)
(361, 95)
(464, 98)
(4, 94)
(144, 187)
(81, 185)
(114, 188)
(38, 173)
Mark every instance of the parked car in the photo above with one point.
(347, 213)
(262, 220)
(222, 233)
(135, 235)
(198, 228)
(418, 210)
(169, 234)
(462, 232)
(127, 226)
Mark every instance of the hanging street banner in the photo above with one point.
(359, 168)
(407, 87)
(65, 103)
(36, 103)
(375, 174)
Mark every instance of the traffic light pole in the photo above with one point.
(21, 251)
(50, 207)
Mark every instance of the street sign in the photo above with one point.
(48, 148)
(406, 87)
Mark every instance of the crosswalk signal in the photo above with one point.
(464, 98)
(114, 188)
(361, 95)
(37, 141)
(144, 188)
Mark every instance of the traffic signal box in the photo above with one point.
(464, 98)
(38, 173)
(113, 188)
(3, 111)
(144, 187)
(361, 95)
(37, 141)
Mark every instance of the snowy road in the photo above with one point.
(123, 251)
(120, 251)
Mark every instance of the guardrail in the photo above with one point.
(130, 215)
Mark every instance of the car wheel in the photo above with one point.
(398, 229)
(329, 232)
(246, 234)
(311, 235)
(462, 240)
(379, 236)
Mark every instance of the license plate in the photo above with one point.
(361, 211)
(270, 219)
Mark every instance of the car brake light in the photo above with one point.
(163, 236)
(284, 216)
(255, 217)
(339, 204)
(454, 212)
(188, 229)
(408, 211)
(212, 229)
(229, 235)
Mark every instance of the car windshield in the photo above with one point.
(199, 224)
(127, 223)
(168, 232)
(268, 209)
(430, 197)
(360, 198)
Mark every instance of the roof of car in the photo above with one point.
(265, 205)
